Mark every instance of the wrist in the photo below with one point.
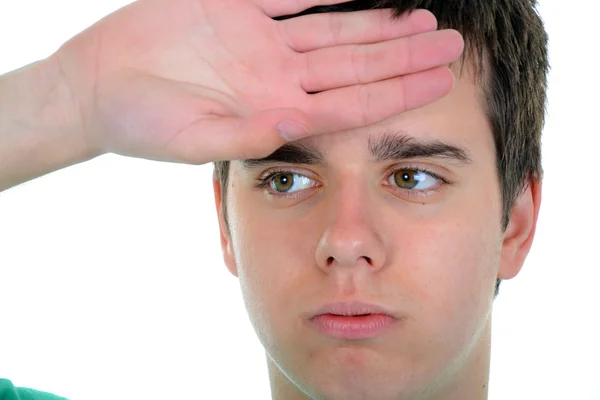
(63, 109)
(40, 125)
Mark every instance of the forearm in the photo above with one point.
(39, 124)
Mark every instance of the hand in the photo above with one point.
(196, 81)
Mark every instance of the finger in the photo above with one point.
(220, 139)
(311, 32)
(339, 66)
(278, 8)
(371, 103)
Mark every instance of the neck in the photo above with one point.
(466, 379)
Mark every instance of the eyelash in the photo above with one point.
(264, 181)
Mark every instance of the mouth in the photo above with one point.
(352, 327)
(352, 320)
(351, 309)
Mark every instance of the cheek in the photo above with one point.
(270, 247)
(448, 272)
(272, 258)
(450, 259)
(456, 251)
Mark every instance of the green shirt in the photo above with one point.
(9, 392)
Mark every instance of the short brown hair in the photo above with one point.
(507, 38)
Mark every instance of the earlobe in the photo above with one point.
(226, 245)
(519, 234)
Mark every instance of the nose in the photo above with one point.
(352, 235)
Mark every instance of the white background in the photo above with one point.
(112, 283)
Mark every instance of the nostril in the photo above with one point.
(369, 261)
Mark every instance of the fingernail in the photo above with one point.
(291, 130)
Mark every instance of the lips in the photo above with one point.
(353, 320)
(352, 308)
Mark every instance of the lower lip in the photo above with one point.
(347, 327)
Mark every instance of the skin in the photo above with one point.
(351, 233)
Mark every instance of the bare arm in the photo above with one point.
(190, 84)
(38, 124)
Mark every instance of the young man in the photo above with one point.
(405, 212)
(413, 220)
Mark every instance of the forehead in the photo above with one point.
(457, 120)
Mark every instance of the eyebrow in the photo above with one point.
(399, 146)
(391, 146)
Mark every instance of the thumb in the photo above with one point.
(235, 138)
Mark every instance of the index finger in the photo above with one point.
(361, 105)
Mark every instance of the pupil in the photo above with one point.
(283, 183)
(406, 180)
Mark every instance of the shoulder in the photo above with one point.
(9, 392)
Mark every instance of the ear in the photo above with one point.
(520, 231)
(226, 245)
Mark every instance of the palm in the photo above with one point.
(258, 69)
(158, 78)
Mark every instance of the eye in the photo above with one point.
(413, 179)
(287, 182)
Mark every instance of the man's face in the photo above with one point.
(412, 223)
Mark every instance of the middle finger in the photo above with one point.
(342, 66)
